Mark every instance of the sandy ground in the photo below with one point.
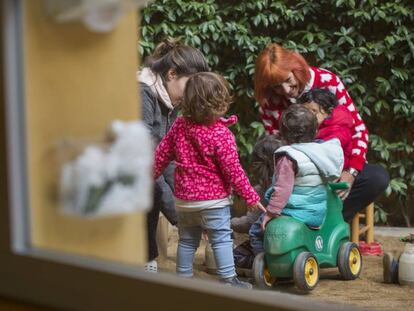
(368, 291)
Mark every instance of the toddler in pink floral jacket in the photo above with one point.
(207, 170)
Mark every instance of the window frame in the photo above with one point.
(61, 280)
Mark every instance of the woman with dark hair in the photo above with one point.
(281, 76)
(162, 81)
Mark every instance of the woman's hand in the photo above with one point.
(345, 177)
(256, 206)
(266, 219)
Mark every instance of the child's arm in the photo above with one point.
(282, 189)
(340, 126)
(229, 164)
(164, 153)
(336, 131)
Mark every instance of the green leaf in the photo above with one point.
(197, 40)
(320, 53)
(255, 124)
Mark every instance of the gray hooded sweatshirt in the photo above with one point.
(158, 115)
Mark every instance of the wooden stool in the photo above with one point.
(368, 229)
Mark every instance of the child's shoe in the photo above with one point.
(234, 281)
(151, 266)
(390, 268)
(243, 255)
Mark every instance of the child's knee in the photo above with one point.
(189, 242)
(220, 236)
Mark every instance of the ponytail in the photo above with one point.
(172, 54)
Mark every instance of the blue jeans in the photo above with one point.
(216, 222)
(256, 236)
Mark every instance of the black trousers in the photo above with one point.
(152, 223)
(164, 202)
(369, 184)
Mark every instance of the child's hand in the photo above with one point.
(266, 219)
(258, 206)
(345, 177)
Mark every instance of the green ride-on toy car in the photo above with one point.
(293, 250)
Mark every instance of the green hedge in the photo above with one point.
(368, 43)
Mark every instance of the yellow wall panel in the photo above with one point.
(76, 83)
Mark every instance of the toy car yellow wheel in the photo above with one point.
(262, 277)
(349, 261)
(306, 272)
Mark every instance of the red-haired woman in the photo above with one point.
(281, 76)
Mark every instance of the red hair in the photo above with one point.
(273, 67)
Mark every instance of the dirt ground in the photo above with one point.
(368, 291)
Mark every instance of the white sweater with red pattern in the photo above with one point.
(271, 110)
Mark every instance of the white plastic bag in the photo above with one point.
(109, 181)
(96, 15)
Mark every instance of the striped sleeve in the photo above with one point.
(270, 118)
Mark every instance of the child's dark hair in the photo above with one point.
(172, 54)
(262, 160)
(298, 125)
(323, 97)
(206, 98)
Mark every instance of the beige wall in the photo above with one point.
(76, 82)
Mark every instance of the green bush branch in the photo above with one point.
(368, 43)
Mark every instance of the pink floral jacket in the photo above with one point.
(207, 163)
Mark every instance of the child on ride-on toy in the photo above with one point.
(302, 170)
